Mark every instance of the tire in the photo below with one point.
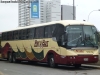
(14, 59)
(51, 61)
(10, 57)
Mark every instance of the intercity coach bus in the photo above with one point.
(67, 42)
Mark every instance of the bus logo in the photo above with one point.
(41, 43)
(79, 50)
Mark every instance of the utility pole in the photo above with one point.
(73, 11)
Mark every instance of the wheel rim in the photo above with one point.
(13, 59)
(9, 57)
(51, 62)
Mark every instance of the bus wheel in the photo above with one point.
(14, 59)
(77, 65)
(10, 57)
(51, 61)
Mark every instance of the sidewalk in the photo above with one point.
(93, 64)
(88, 65)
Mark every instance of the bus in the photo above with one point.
(65, 42)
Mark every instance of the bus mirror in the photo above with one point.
(64, 33)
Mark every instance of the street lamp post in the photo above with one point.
(91, 12)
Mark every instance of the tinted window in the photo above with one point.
(10, 36)
(40, 32)
(4, 36)
(24, 33)
(46, 32)
(20, 34)
(58, 31)
(16, 36)
(49, 31)
(30, 33)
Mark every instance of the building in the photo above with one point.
(45, 12)
(41, 11)
(38, 16)
(67, 12)
(32, 13)
(53, 10)
(24, 15)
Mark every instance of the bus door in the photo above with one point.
(58, 34)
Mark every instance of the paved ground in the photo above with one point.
(24, 68)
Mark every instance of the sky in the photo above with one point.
(9, 13)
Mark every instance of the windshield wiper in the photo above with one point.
(91, 43)
(78, 40)
(85, 41)
(75, 39)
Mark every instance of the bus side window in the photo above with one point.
(7, 36)
(16, 35)
(24, 34)
(46, 32)
(27, 33)
(4, 36)
(37, 33)
(51, 30)
(40, 32)
(30, 33)
(10, 36)
(20, 34)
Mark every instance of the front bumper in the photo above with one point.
(82, 59)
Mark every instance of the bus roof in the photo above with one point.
(63, 22)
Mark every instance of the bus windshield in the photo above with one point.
(81, 36)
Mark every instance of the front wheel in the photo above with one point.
(51, 61)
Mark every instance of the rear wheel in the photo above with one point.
(10, 57)
(14, 59)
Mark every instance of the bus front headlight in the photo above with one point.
(95, 57)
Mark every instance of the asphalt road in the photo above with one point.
(25, 68)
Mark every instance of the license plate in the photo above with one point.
(85, 59)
